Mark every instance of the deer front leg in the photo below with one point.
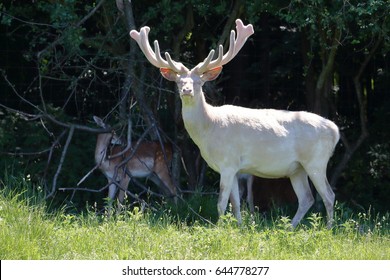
(235, 200)
(123, 185)
(229, 188)
(112, 189)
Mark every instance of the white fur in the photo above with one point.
(263, 142)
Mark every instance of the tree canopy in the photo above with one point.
(63, 61)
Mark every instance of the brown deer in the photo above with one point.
(264, 142)
(148, 160)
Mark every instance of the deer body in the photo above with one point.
(148, 160)
(278, 150)
(266, 143)
(263, 142)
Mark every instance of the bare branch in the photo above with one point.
(12, 86)
(87, 175)
(64, 151)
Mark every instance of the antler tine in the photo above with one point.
(243, 32)
(221, 59)
(232, 48)
(160, 61)
(176, 66)
(143, 42)
(154, 57)
(206, 64)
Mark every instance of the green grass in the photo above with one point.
(29, 231)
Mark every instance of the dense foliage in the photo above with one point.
(63, 61)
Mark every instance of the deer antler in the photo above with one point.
(243, 33)
(154, 57)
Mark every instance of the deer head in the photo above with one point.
(190, 82)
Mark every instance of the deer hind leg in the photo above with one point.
(163, 179)
(229, 188)
(325, 191)
(305, 197)
(249, 195)
(165, 186)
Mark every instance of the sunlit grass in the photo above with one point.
(28, 231)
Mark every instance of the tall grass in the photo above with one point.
(29, 231)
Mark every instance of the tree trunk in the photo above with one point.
(178, 128)
(124, 96)
(309, 71)
(132, 83)
(324, 83)
(350, 148)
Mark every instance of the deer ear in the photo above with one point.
(168, 74)
(211, 74)
(98, 121)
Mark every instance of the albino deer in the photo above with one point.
(148, 160)
(263, 142)
(246, 185)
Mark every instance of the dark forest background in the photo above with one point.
(61, 62)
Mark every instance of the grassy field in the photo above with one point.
(29, 231)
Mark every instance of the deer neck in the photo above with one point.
(102, 143)
(197, 116)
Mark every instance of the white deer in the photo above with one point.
(148, 160)
(245, 183)
(264, 142)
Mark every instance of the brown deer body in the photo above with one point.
(148, 160)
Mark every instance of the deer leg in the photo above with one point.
(305, 197)
(123, 185)
(111, 190)
(111, 196)
(235, 200)
(162, 174)
(167, 183)
(249, 195)
(225, 188)
(165, 188)
(324, 189)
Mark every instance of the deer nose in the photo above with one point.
(186, 91)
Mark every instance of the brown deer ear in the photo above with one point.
(168, 74)
(211, 74)
(99, 122)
